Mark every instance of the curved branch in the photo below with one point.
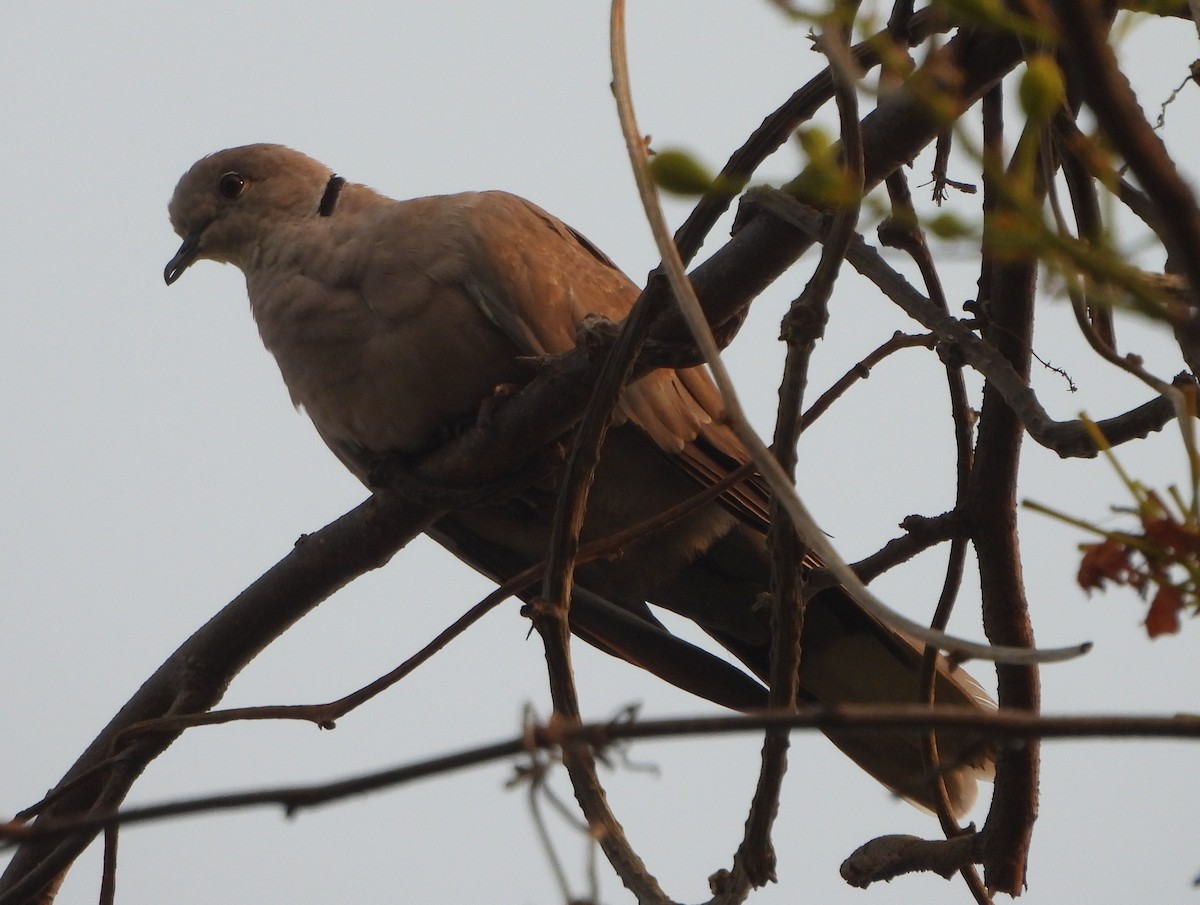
(1084, 40)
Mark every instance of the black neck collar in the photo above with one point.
(329, 199)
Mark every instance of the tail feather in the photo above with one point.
(849, 658)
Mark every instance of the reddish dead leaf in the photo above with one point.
(1163, 616)
(1108, 559)
(1170, 534)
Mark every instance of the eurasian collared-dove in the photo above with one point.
(392, 321)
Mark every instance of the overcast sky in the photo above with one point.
(152, 466)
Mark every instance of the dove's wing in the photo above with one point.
(536, 279)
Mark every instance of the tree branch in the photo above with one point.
(849, 718)
(1007, 294)
(1067, 438)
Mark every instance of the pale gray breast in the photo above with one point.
(384, 356)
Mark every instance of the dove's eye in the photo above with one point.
(231, 185)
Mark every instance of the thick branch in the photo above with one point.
(195, 677)
(1008, 296)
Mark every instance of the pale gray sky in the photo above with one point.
(152, 466)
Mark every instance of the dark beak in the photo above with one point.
(188, 252)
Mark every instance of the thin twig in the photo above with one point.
(861, 370)
(863, 719)
(1130, 363)
(1084, 39)
(755, 861)
(921, 533)
(782, 123)
(907, 235)
(325, 715)
(1067, 438)
(108, 875)
(551, 614)
(537, 782)
(769, 468)
(1071, 142)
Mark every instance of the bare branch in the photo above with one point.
(1001, 724)
(1107, 91)
(755, 861)
(889, 857)
(1067, 438)
(1008, 295)
(906, 234)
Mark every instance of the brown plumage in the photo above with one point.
(391, 321)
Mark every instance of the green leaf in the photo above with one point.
(679, 173)
(1042, 91)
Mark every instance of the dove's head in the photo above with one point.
(229, 201)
